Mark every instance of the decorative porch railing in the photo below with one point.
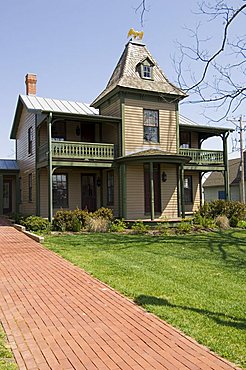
(203, 157)
(77, 150)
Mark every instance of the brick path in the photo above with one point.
(58, 317)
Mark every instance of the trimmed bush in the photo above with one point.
(35, 223)
(103, 212)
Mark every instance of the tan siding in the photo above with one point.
(135, 192)
(196, 191)
(26, 162)
(110, 108)
(110, 133)
(134, 126)
(169, 192)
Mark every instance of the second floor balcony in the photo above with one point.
(68, 150)
(203, 157)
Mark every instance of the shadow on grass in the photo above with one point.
(219, 317)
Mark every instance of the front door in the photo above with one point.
(88, 195)
(7, 196)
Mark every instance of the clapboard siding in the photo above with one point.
(169, 192)
(194, 140)
(110, 133)
(133, 113)
(135, 192)
(26, 162)
(111, 108)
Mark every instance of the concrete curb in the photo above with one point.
(37, 238)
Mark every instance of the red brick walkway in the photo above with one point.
(58, 317)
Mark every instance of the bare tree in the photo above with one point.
(142, 9)
(212, 68)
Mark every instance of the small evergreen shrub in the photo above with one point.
(118, 226)
(63, 220)
(222, 222)
(184, 227)
(105, 213)
(35, 223)
(97, 225)
(203, 221)
(242, 224)
(140, 228)
(82, 215)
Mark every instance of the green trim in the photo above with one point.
(204, 168)
(82, 164)
(214, 131)
(154, 158)
(36, 166)
(226, 164)
(1, 194)
(178, 190)
(182, 190)
(50, 200)
(152, 192)
(119, 192)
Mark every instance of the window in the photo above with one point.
(146, 70)
(30, 187)
(30, 140)
(151, 125)
(185, 139)
(110, 188)
(59, 130)
(188, 198)
(221, 194)
(60, 191)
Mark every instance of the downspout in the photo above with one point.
(50, 197)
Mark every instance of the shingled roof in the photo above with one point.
(217, 178)
(126, 74)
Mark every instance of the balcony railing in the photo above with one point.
(77, 150)
(203, 157)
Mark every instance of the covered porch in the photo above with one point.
(9, 187)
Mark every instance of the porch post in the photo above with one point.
(152, 192)
(17, 193)
(226, 172)
(182, 191)
(50, 200)
(1, 194)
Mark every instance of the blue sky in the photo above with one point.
(73, 47)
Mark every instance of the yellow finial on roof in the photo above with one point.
(136, 34)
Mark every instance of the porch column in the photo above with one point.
(226, 172)
(50, 200)
(17, 193)
(152, 192)
(182, 190)
(1, 194)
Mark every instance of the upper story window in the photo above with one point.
(59, 130)
(151, 125)
(146, 69)
(185, 139)
(30, 140)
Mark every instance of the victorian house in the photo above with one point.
(130, 150)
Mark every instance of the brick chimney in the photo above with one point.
(31, 81)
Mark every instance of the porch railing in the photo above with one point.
(77, 150)
(203, 157)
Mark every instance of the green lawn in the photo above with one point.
(6, 357)
(195, 282)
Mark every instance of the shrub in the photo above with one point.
(35, 223)
(184, 227)
(118, 226)
(222, 222)
(82, 215)
(163, 228)
(222, 207)
(97, 224)
(242, 224)
(105, 213)
(140, 228)
(63, 220)
(234, 220)
(203, 221)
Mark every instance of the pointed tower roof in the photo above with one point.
(127, 74)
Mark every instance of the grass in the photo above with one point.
(194, 282)
(6, 356)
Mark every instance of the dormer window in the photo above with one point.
(146, 69)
